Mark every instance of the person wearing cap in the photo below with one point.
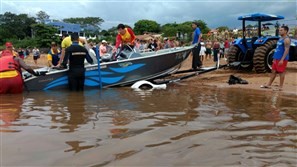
(102, 48)
(125, 37)
(10, 71)
(196, 63)
(53, 55)
(76, 54)
(166, 43)
(9, 50)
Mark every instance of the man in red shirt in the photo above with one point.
(125, 37)
(226, 45)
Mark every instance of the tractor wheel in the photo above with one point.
(263, 57)
(236, 55)
(232, 54)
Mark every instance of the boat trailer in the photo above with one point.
(160, 84)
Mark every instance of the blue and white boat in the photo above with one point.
(140, 66)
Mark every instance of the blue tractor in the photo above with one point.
(257, 52)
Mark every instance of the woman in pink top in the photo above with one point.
(103, 49)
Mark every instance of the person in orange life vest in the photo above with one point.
(10, 72)
(125, 37)
(8, 50)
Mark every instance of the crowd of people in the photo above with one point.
(214, 49)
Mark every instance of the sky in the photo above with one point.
(214, 12)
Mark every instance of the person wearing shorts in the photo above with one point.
(280, 58)
(208, 46)
(36, 55)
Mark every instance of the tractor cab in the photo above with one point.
(259, 18)
(244, 49)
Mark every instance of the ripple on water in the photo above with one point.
(180, 126)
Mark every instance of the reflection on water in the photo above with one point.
(180, 126)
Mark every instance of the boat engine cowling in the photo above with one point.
(106, 57)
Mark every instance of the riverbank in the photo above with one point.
(220, 77)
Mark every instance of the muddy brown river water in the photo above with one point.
(181, 126)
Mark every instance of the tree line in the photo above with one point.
(27, 31)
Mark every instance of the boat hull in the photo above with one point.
(117, 73)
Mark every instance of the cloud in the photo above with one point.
(214, 12)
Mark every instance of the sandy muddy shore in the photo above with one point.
(220, 77)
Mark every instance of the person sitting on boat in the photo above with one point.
(10, 71)
(125, 37)
(103, 48)
(166, 43)
(53, 56)
(76, 54)
(92, 54)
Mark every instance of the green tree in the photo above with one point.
(15, 26)
(222, 28)
(42, 16)
(85, 21)
(113, 31)
(169, 31)
(90, 25)
(203, 26)
(4, 35)
(142, 26)
(45, 34)
(104, 33)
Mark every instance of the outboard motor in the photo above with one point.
(106, 57)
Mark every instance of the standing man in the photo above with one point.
(208, 47)
(76, 54)
(36, 55)
(196, 63)
(226, 46)
(66, 42)
(125, 37)
(280, 58)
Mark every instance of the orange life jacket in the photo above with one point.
(7, 63)
(6, 53)
(126, 38)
